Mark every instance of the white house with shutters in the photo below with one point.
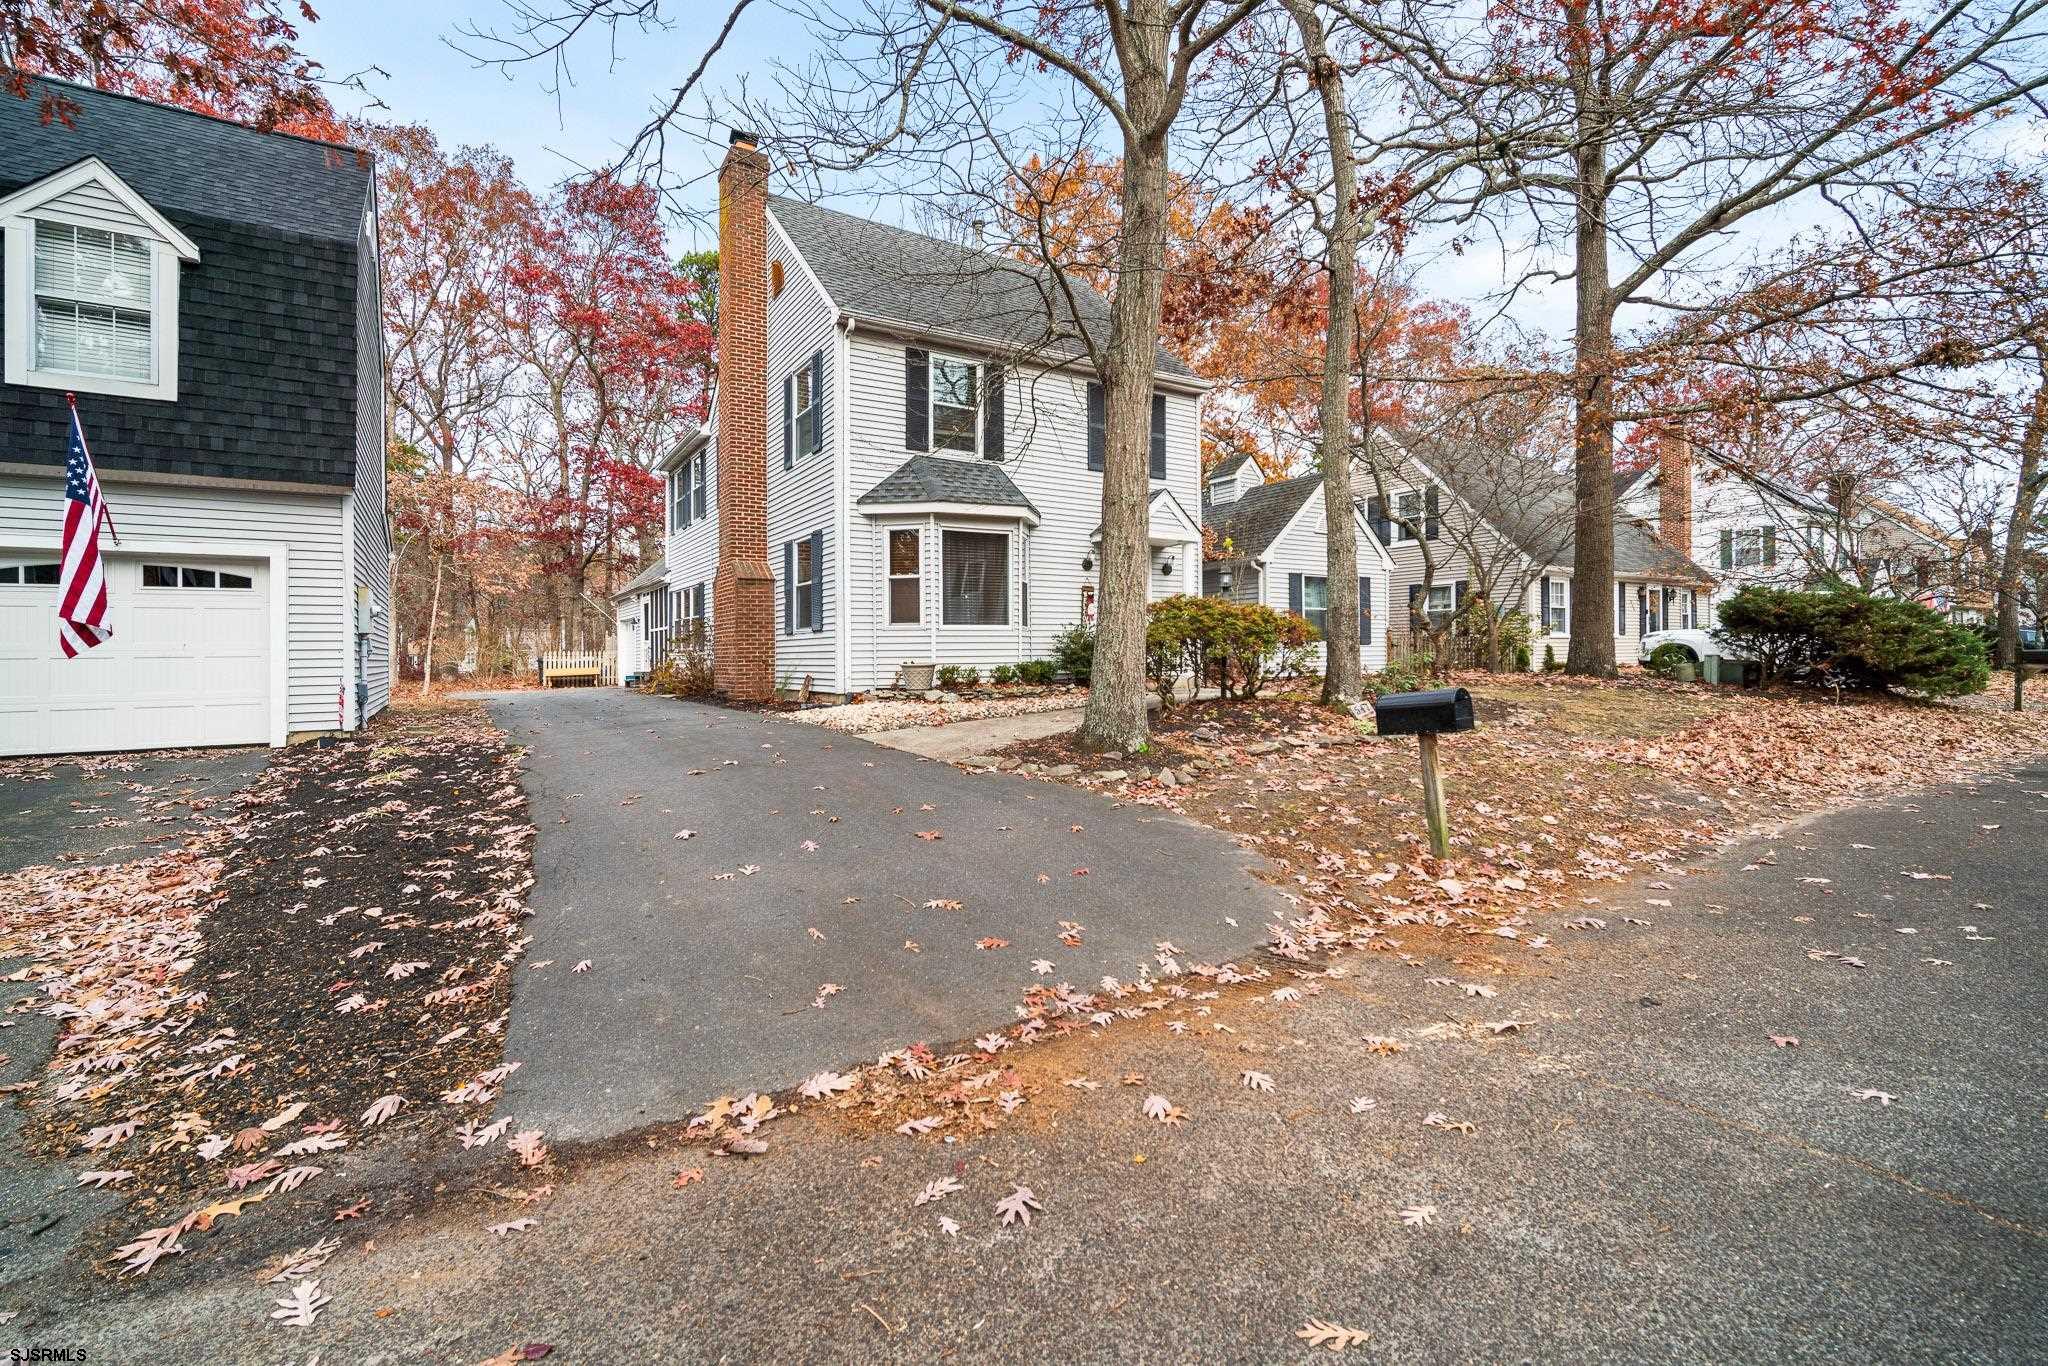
(933, 456)
(1269, 544)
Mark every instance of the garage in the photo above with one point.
(189, 662)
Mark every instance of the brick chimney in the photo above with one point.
(1674, 490)
(743, 589)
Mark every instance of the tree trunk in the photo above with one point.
(433, 623)
(1115, 717)
(1342, 685)
(1592, 590)
(2026, 499)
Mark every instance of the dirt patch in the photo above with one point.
(234, 1011)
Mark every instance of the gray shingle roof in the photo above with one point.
(1538, 518)
(1255, 518)
(890, 274)
(270, 319)
(943, 479)
(651, 576)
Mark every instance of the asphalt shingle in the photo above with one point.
(943, 479)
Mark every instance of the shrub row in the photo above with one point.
(1844, 635)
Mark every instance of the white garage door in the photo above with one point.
(189, 662)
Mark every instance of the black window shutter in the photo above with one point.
(1364, 610)
(917, 400)
(817, 401)
(1159, 436)
(1414, 601)
(1727, 550)
(703, 481)
(1770, 545)
(817, 580)
(1376, 518)
(1096, 435)
(1544, 624)
(1458, 593)
(1621, 609)
(788, 587)
(1430, 522)
(992, 413)
(788, 420)
(1294, 594)
(1692, 599)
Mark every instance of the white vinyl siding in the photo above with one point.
(372, 559)
(1304, 548)
(803, 498)
(309, 526)
(1045, 421)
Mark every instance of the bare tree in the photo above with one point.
(1632, 128)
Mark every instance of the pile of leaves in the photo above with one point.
(333, 959)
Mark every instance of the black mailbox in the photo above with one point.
(1439, 711)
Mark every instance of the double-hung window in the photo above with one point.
(976, 571)
(806, 411)
(1442, 602)
(906, 576)
(1315, 601)
(956, 405)
(806, 571)
(1408, 514)
(1559, 609)
(94, 303)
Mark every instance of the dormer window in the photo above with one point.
(91, 286)
(92, 312)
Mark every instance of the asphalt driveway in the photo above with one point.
(811, 863)
(114, 807)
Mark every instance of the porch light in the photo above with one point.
(1165, 568)
(1223, 579)
(1087, 564)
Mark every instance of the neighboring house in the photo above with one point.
(1269, 544)
(903, 463)
(210, 294)
(1499, 524)
(1907, 556)
(639, 605)
(1744, 527)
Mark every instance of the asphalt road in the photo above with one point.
(1650, 1179)
(699, 987)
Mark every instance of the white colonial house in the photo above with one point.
(209, 294)
(921, 481)
(1460, 516)
(1269, 544)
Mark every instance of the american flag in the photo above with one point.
(82, 587)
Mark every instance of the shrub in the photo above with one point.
(1514, 635)
(1665, 659)
(1844, 635)
(1522, 659)
(1037, 672)
(1238, 646)
(1003, 673)
(685, 673)
(1073, 652)
(1409, 674)
(1550, 664)
(954, 676)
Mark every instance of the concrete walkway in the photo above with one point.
(709, 956)
(957, 740)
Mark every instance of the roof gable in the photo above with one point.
(924, 284)
(87, 192)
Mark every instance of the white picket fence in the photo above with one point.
(596, 667)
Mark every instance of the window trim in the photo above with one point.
(932, 405)
(19, 569)
(890, 577)
(1009, 564)
(1560, 603)
(802, 576)
(20, 212)
(803, 409)
(1310, 614)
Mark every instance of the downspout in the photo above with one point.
(842, 480)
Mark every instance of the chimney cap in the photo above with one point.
(741, 138)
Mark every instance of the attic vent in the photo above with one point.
(1223, 489)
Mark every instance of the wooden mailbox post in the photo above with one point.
(1426, 715)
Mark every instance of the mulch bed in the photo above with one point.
(232, 1011)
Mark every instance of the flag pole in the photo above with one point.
(106, 513)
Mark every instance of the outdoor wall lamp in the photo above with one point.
(1087, 564)
(1165, 568)
(1223, 580)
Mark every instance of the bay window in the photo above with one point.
(906, 577)
(975, 569)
